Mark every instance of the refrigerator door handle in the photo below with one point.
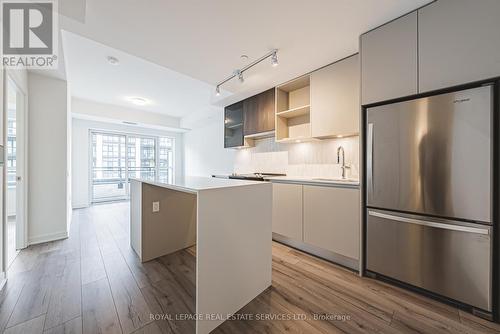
(468, 229)
(369, 159)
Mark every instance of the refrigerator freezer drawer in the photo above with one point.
(452, 259)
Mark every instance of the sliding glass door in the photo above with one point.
(108, 167)
(116, 158)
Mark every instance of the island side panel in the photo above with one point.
(234, 249)
(172, 228)
(136, 216)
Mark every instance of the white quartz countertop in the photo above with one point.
(337, 182)
(193, 184)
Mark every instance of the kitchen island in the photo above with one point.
(230, 224)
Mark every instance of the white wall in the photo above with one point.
(48, 142)
(80, 154)
(204, 152)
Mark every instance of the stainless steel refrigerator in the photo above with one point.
(429, 194)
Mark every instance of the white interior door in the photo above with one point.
(15, 164)
(21, 194)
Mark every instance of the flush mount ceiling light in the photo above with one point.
(140, 101)
(238, 73)
(112, 60)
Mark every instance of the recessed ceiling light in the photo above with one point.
(140, 101)
(112, 60)
(244, 57)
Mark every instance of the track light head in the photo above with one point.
(274, 58)
(239, 74)
(217, 91)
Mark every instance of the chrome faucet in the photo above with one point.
(344, 166)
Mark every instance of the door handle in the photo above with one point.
(369, 158)
(443, 226)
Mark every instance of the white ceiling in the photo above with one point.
(204, 40)
(92, 77)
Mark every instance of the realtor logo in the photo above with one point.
(29, 34)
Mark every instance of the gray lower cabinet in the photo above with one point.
(389, 60)
(287, 210)
(332, 219)
(459, 42)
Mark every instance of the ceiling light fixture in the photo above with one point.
(140, 101)
(112, 60)
(238, 73)
(274, 59)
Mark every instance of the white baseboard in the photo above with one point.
(47, 237)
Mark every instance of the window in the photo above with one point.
(116, 158)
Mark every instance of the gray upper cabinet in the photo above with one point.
(335, 99)
(459, 42)
(389, 60)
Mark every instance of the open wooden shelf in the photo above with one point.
(293, 109)
(295, 112)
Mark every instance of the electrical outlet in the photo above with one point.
(156, 206)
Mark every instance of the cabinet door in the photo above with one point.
(459, 42)
(233, 125)
(287, 210)
(335, 99)
(259, 113)
(331, 219)
(389, 60)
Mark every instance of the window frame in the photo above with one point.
(127, 135)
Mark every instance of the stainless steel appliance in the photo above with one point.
(429, 194)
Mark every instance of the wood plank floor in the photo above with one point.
(93, 282)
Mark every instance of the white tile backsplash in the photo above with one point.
(309, 159)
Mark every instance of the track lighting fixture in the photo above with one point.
(238, 73)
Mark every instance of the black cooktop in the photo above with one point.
(254, 176)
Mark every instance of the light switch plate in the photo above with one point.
(156, 207)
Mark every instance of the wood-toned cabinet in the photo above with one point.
(258, 113)
(459, 42)
(249, 117)
(389, 60)
(332, 219)
(335, 99)
(287, 210)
